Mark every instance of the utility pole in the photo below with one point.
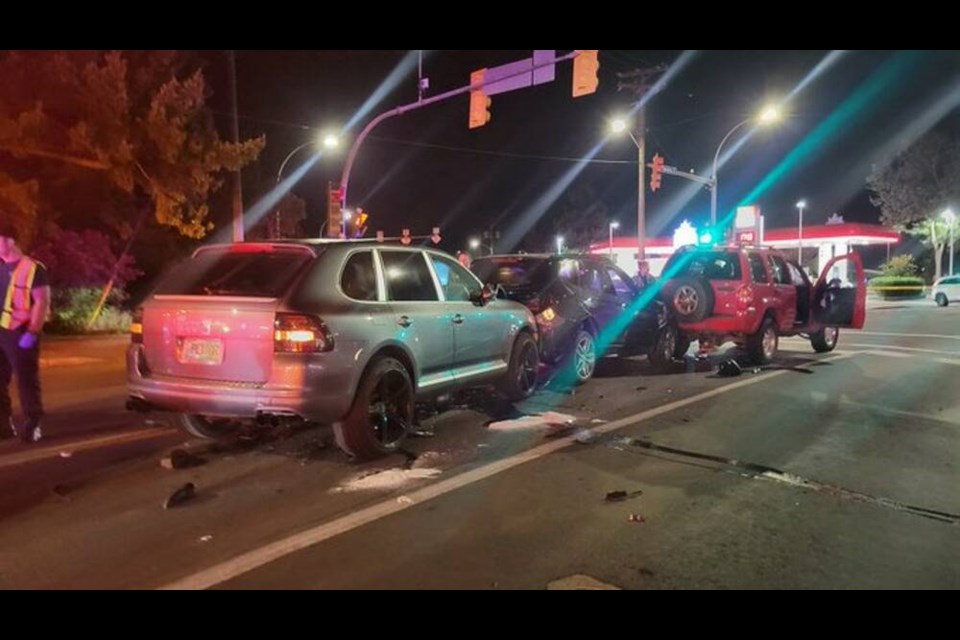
(235, 136)
(639, 84)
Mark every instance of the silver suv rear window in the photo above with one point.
(253, 274)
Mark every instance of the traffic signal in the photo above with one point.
(360, 223)
(656, 172)
(586, 66)
(479, 101)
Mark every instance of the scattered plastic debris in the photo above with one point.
(729, 369)
(585, 436)
(389, 479)
(404, 500)
(636, 517)
(66, 454)
(206, 538)
(550, 419)
(183, 494)
(598, 421)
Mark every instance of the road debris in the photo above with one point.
(620, 496)
(636, 517)
(183, 494)
(181, 459)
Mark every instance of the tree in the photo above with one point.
(84, 135)
(916, 186)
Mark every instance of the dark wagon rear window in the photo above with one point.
(253, 274)
(515, 274)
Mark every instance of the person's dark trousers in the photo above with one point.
(25, 365)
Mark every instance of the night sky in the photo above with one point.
(426, 167)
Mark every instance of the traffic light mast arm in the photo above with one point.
(673, 171)
(398, 111)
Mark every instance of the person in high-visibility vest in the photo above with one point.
(26, 301)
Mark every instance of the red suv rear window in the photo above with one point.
(712, 265)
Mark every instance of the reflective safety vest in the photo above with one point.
(17, 299)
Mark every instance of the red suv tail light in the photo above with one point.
(744, 295)
(294, 333)
(136, 327)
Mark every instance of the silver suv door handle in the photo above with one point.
(458, 319)
(404, 321)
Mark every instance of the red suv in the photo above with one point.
(753, 295)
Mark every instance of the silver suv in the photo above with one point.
(345, 333)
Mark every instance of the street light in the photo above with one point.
(950, 218)
(474, 243)
(769, 115)
(328, 141)
(613, 225)
(619, 125)
(559, 244)
(801, 206)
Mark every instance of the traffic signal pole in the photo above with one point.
(420, 103)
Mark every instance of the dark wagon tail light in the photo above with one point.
(295, 333)
(136, 327)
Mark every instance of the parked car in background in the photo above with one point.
(347, 333)
(946, 290)
(585, 308)
(754, 295)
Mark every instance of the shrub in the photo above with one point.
(73, 308)
(893, 287)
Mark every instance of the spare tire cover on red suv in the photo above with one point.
(690, 298)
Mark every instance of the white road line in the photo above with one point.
(908, 335)
(881, 348)
(52, 451)
(899, 412)
(264, 555)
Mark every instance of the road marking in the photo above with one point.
(883, 349)
(257, 558)
(53, 451)
(908, 335)
(898, 412)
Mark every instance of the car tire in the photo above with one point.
(582, 361)
(665, 349)
(207, 428)
(382, 413)
(691, 299)
(942, 300)
(825, 340)
(521, 380)
(762, 345)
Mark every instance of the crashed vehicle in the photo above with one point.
(349, 333)
(753, 295)
(585, 307)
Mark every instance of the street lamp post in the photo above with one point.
(620, 125)
(613, 225)
(801, 206)
(559, 244)
(951, 219)
(329, 141)
(767, 116)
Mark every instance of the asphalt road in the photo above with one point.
(824, 471)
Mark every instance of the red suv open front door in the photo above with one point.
(840, 298)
